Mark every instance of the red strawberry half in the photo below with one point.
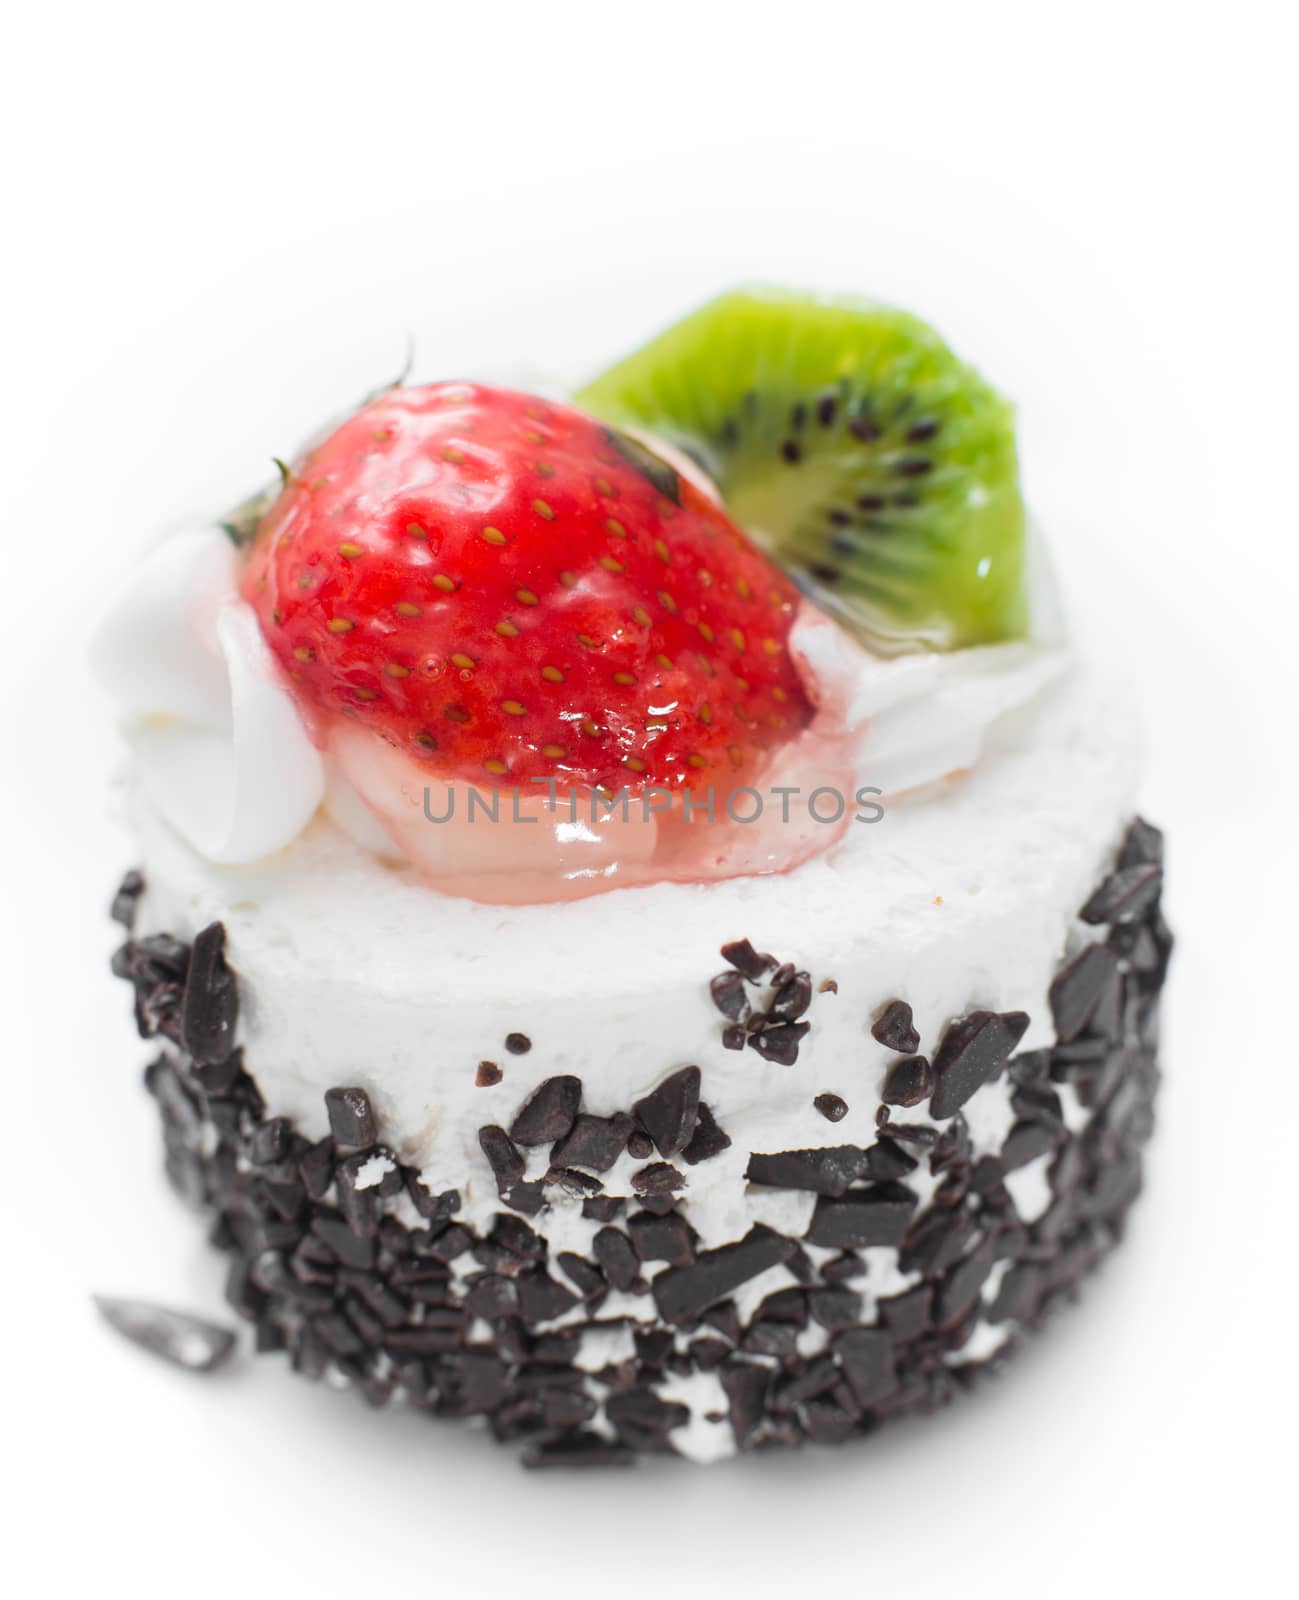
(508, 590)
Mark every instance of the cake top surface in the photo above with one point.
(773, 571)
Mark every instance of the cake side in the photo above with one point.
(921, 1260)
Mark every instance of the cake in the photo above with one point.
(639, 905)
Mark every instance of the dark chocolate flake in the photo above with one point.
(708, 1140)
(682, 1293)
(908, 1082)
(833, 1107)
(548, 1113)
(746, 1384)
(659, 1178)
(1076, 989)
(616, 1258)
(518, 1044)
(827, 1170)
(669, 1112)
(792, 998)
(573, 1182)
(184, 1340)
(866, 1355)
(887, 1161)
(505, 1161)
(754, 964)
(973, 1050)
(488, 1075)
(594, 1142)
(1126, 895)
(351, 1117)
(1144, 843)
(863, 1218)
(210, 1007)
(780, 1044)
(577, 1449)
(729, 995)
(665, 1238)
(1026, 1141)
(542, 1298)
(895, 1030)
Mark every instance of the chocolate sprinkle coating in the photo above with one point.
(423, 1308)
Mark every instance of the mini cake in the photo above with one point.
(639, 907)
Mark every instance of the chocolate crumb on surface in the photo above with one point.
(365, 1273)
(908, 1082)
(488, 1075)
(833, 1107)
(894, 1029)
(178, 1337)
(518, 1044)
(745, 959)
(708, 1139)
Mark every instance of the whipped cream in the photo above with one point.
(223, 754)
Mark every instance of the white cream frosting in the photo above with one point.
(353, 971)
(222, 752)
(217, 740)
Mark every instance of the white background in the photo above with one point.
(225, 220)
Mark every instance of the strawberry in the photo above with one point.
(507, 589)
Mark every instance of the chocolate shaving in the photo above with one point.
(670, 1111)
(548, 1113)
(176, 1336)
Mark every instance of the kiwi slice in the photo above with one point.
(850, 442)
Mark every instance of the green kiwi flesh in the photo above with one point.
(850, 442)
